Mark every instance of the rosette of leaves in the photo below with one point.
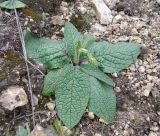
(76, 72)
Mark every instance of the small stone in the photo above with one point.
(154, 128)
(57, 20)
(38, 131)
(64, 10)
(91, 115)
(124, 25)
(98, 28)
(141, 69)
(132, 68)
(132, 116)
(67, 131)
(153, 34)
(31, 20)
(147, 89)
(102, 121)
(117, 18)
(82, 135)
(148, 119)
(155, 93)
(135, 39)
(51, 106)
(126, 133)
(65, 4)
(138, 26)
(97, 134)
(152, 134)
(149, 71)
(118, 89)
(104, 15)
(123, 38)
(134, 31)
(149, 77)
(82, 9)
(116, 133)
(144, 32)
(155, 123)
(115, 74)
(13, 97)
(157, 40)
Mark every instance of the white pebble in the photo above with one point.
(51, 106)
(91, 115)
(141, 69)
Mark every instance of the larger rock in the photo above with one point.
(103, 13)
(158, 1)
(13, 97)
(111, 3)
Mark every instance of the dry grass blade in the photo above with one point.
(26, 63)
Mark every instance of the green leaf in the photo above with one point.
(114, 57)
(21, 131)
(50, 81)
(10, 5)
(72, 95)
(72, 37)
(95, 72)
(88, 39)
(58, 127)
(102, 100)
(50, 53)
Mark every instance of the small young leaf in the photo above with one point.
(50, 53)
(102, 100)
(77, 53)
(95, 72)
(10, 5)
(58, 127)
(72, 95)
(72, 37)
(114, 57)
(50, 82)
(88, 39)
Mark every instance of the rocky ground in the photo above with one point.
(137, 88)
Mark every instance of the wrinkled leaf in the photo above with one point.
(72, 37)
(114, 57)
(95, 72)
(10, 5)
(72, 95)
(50, 53)
(50, 82)
(102, 100)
